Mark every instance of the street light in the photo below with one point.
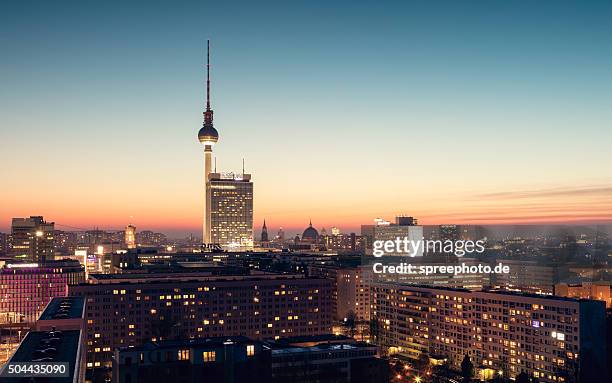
(417, 379)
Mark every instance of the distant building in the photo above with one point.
(586, 290)
(150, 238)
(32, 239)
(553, 339)
(130, 236)
(310, 234)
(449, 232)
(264, 232)
(525, 276)
(4, 243)
(343, 242)
(386, 231)
(26, 288)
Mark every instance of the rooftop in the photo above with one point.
(49, 346)
(64, 308)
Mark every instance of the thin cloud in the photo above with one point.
(602, 191)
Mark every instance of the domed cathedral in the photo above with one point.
(310, 240)
(311, 234)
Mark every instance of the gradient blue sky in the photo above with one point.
(344, 111)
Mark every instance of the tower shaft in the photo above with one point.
(206, 224)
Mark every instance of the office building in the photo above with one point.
(32, 239)
(553, 339)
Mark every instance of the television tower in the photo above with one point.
(208, 136)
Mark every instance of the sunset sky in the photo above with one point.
(453, 112)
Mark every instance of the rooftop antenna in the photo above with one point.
(243, 166)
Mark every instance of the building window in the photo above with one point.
(183, 354)
(209, 356)
(250, 350)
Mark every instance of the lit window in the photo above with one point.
(209, 356)
(250, 350)
(183, 354)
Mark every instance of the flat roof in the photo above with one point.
(64, 308)
(65, 344)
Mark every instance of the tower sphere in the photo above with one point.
(208, 135)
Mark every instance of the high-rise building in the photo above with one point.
(552, 339)
(32, 239)
(231, 210)
(130, 236)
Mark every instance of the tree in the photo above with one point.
(422, 363)
(522, 378)
(467, 368)
(350, 322)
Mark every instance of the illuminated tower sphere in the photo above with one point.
(208, 136)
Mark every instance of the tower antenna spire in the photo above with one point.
(208, 75)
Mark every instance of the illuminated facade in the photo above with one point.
(130, 236)
(231, 210)
(128, 310)
(26, 288)
(32, 239)
(553, 339)
(586, 290)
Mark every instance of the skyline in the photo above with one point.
(500, 134)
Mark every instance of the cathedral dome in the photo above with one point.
(310, 233)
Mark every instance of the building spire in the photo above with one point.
(208, 114)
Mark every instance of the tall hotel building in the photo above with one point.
(230, 197)
(552, 339)
(228, 202)
(125, 310)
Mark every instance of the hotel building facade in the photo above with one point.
(231, 210)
